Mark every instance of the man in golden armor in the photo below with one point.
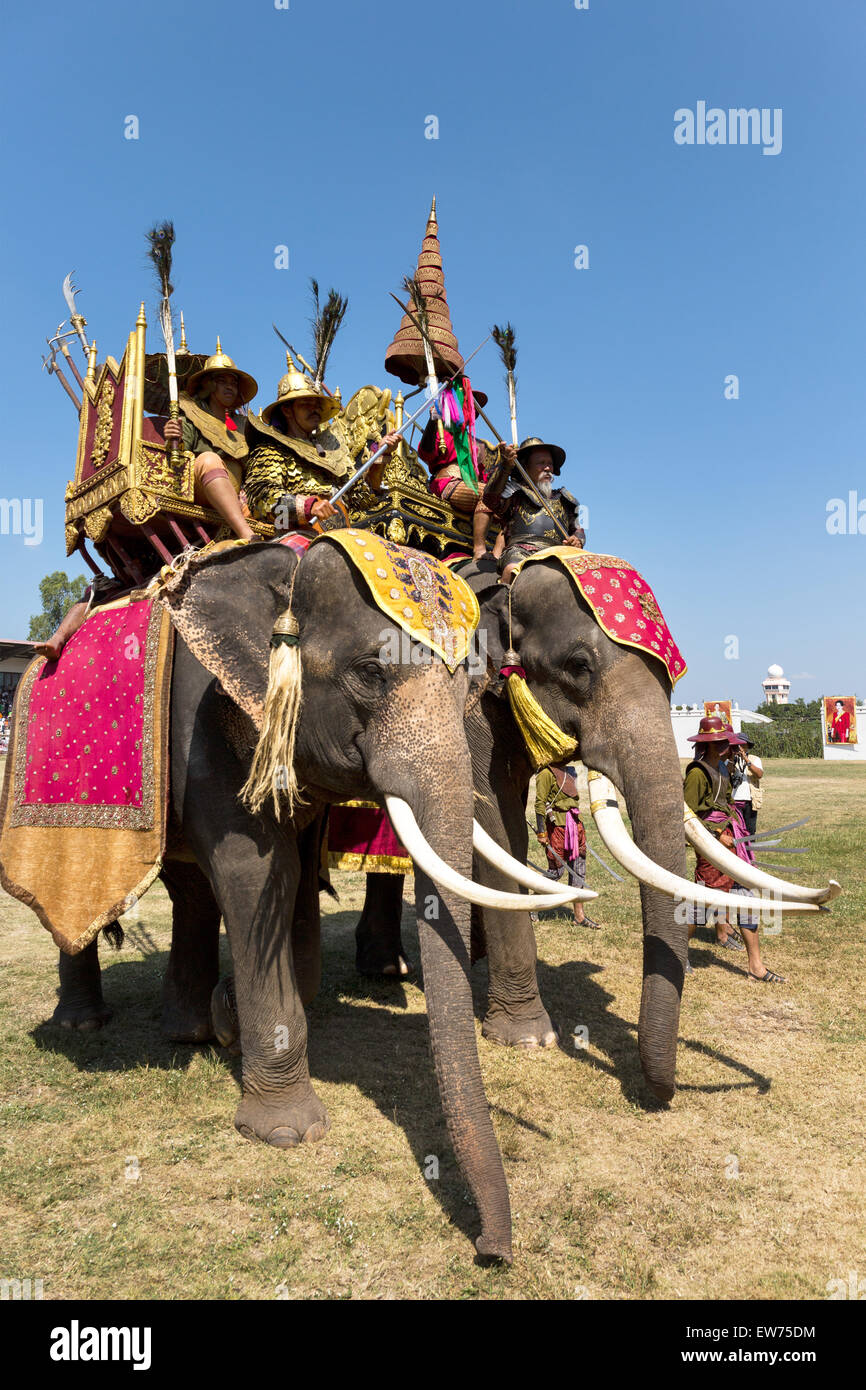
(295, 463)
(210, 428)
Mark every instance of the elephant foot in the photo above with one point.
(187, 1024)
(372, 960)
(82, 1018)
(285, 1125)
(516, 1031)
(225, 1026)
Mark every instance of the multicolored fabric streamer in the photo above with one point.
(622, 602)
(462, 431)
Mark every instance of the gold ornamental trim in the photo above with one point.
(223, 440)
(336, 459)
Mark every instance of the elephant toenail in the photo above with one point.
(283, 1137)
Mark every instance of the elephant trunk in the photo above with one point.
(653, 789)
(443, 929)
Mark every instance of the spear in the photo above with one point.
(412, 287)
(78, 323)
(490, 425)
(504, 340)
(60, 339)
(160, 240)
(401, 430)
(50, 365)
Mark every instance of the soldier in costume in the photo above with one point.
(527, 526)
(450, 476)
(560, 830)
(295, 462)
(210, 429)
(707, 792)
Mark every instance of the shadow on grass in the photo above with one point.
(132, 1038)
(571, 993)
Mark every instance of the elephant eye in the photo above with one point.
(371, 671)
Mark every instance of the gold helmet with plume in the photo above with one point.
(297, 386)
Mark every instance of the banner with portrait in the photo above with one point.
(840, 720)
(719, 709)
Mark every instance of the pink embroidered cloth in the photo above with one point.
(85, 718)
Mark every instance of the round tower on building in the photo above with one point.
(776, 686)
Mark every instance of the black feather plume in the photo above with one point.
(326, 322)
(160, 240)
(504, 340)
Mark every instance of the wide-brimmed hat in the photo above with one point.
(556, 453)
(221, 362)
(711, 729)
(735, 738)
(297, 386)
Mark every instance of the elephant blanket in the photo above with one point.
(84, 808)
(623, 603)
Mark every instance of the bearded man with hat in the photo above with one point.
(295, 462)
(528, 526)
(210, 429)
(707, 792)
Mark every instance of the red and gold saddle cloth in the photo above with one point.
(361, 838)
(83, 815)
(623, 603)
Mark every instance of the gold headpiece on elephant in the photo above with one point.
(221, 362)
(297, 386)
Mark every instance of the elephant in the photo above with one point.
(614, 701)
(368, 729)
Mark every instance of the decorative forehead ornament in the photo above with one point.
(420, 594)
(623, 604)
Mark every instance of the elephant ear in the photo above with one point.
(224, 606)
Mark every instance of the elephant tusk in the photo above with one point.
(521, 873)
(409, 832)
(606, 814)
(749, 875)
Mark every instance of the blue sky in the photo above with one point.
(306, 127)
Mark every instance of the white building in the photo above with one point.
(776, 686)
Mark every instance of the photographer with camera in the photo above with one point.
(746, 770)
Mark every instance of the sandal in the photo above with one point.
(730, 944)
(770, 978)
(588, 922)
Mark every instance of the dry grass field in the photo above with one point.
(121, 1174)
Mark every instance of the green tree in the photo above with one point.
(58, 593)
(794, 733)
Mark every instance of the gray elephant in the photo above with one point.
(613, 700)
(367, 728)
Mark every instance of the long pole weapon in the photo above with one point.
(78, 323)
(402, 429)
(504, 340)
(160, 240)
(50, 365)
(60, 339)
(489, 423)
(419, 318)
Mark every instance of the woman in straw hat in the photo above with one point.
(295, 462)
(210, 429)
(707, 792)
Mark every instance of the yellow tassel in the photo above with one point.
(545, 741)
(273, 767)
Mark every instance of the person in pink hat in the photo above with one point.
(707, 792)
